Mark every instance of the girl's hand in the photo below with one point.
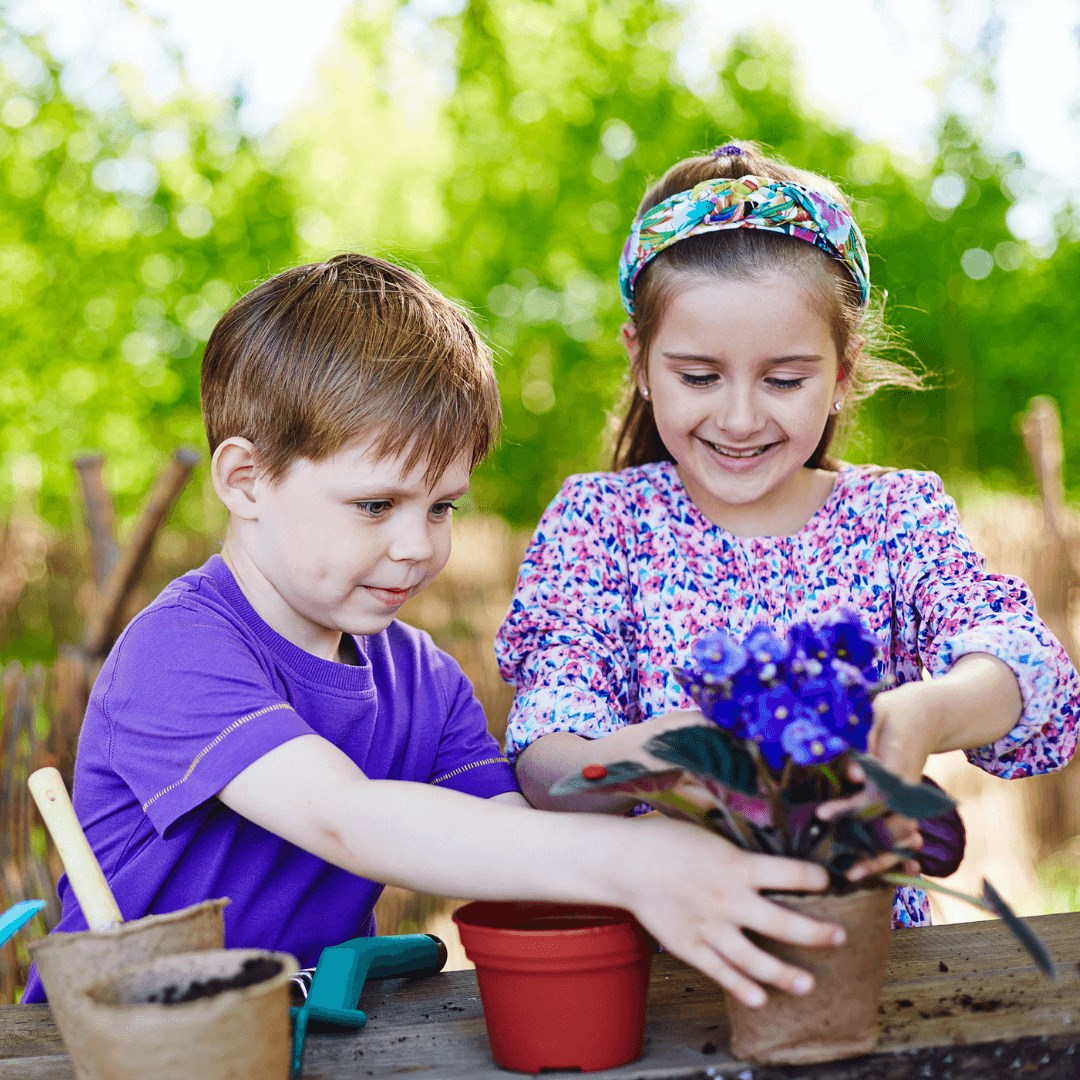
(902, 738)
(698, 895)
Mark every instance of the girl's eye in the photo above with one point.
(443, 509)
(786, 384)
(373, 507)
(689, 379)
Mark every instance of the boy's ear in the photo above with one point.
(233, 470)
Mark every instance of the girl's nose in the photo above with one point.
(739, 416)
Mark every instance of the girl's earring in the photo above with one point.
(836, 406)
(645, 392)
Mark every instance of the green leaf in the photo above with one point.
(708, 751)
(991, 901)
(621, 777)
(917, 801)
(1021, 931)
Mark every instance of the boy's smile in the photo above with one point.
(337, 546)
(742, 376)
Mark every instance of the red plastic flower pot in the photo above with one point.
(562, 987)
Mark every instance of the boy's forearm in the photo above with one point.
(450, 844)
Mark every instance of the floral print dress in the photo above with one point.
(624, 572)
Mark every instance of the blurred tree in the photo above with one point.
(126, 231)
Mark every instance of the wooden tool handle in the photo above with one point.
(83, 870)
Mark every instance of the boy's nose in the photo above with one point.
(412, 545)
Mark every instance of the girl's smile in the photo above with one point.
(742, 376)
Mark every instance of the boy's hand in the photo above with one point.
(699, 895)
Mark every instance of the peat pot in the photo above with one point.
(839, 1019)
(68, 963)
(217, 1015)
(562, 987)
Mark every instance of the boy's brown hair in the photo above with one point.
(323, 354)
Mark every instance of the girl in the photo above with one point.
(747, 287)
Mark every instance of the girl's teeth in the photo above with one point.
(738, 453)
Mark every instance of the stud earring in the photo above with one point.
(645, 392)
(836, 405)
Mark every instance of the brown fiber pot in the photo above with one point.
(839, 1019)
(68, 963)
(238, 1032)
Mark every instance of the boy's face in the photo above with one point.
(339, 545)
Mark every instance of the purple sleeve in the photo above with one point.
(188, 707)
(468, 758)
(952, 605)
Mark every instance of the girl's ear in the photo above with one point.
(233, 471)
(633, 351)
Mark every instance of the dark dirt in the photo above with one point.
(252, 971)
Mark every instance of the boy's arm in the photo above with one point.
(690, 889)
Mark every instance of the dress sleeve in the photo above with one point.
(949, 603)
(564, 644)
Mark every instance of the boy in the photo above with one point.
(267, 731)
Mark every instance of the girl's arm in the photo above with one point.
(567, 643)
(551, 757)
(1002, 687)
(976, 703)
(694, 892)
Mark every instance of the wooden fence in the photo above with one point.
(42, 709)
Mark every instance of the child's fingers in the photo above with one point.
(733, 981)
(785, 875)
(759, 966)
(775, 921)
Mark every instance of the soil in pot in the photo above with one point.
(562, 987)
(839, 1019)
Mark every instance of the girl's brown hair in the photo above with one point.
(858, 333)
(324, 354)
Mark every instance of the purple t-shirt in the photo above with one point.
(196, 689)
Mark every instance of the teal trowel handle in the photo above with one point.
(342, 971)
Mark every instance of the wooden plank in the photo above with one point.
(990, 1013)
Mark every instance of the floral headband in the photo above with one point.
(747, 202)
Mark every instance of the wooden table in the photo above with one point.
(959, 1001)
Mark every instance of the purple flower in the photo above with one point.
(770, 715)
(846, 639)
(808, 742)
(718, 657)
(767, 656)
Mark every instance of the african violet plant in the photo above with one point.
(788, 718)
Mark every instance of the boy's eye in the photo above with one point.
(443, 509)
(691, 379)
(786, 384)
(373, 507)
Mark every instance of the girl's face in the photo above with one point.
(742, 376)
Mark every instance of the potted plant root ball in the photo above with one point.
(785, 720)
(215, 1015)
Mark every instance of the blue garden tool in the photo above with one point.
(333, 987)
(15, 918)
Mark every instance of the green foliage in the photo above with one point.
(502, 150)
(127, 231)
